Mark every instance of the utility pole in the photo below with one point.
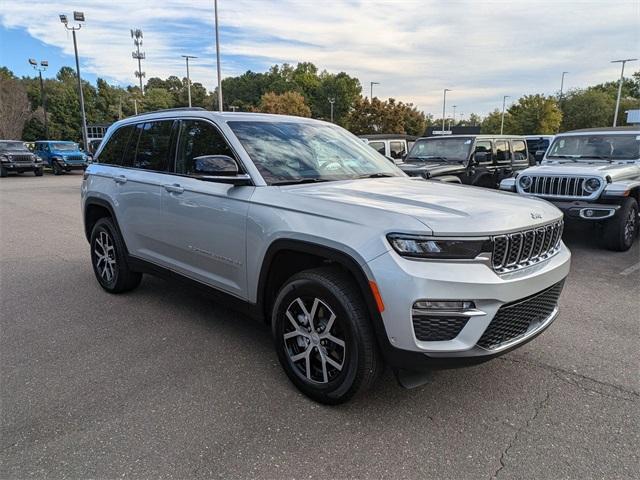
(41, 68)
(371, 84)
(561, 88)
(187, 57)
(623, 62)
(331, 101)
(454, 114)
(136, 34)
(79, 18)
(444, 107)
(504, 101)
(215, 6)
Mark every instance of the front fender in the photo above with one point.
(508, 184)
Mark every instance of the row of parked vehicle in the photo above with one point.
(61, 156)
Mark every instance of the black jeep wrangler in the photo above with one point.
(480, 160)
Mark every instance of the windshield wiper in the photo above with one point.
(299, 181)
(377, 175)
(428, 157)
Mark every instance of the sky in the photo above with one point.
(481, 50)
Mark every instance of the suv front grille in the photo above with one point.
(513, 320)
(557, 186)
(21, 158)
(75, 158)
(437, 328)
(521, 249)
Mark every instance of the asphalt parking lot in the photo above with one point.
(163, 382)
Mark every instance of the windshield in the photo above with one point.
(7, 146)
(441, 149)
(65, 146)
(609, 147)
(290, 152)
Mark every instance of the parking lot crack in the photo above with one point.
(542, 404)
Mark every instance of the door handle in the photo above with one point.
(120, 179)
(175, 188)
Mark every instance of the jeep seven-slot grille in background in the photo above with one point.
(557, 186)
(21, 158)
(430, 328)
(513, 320)
(521, 249)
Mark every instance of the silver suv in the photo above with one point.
(303, 226)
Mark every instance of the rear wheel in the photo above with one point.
(620, 232)
(323, 336)
(109, 259)
(38, 172)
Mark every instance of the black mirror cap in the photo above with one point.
(216, 165)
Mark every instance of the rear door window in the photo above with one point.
(198, 138)
(397, 149)
(519, 150)
(154, 145)
(379, 146)
(113, 150)
(502, 151)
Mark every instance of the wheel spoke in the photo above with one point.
(323, 359)
(330, 323)
(299, 356)
(295, 333)
(292, 320)
(333, 339)
(307, 362)
(312, 314)
(333, 363)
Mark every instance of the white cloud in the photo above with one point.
(481, 50)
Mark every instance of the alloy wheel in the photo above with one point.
(313, 340)
(105, 259)
(630, 226)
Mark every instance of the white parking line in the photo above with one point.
(631, 269)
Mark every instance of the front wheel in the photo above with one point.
(621, 230)
(109, 260)
(57, 169)
(323, 336)
(3, 172)
(38, 172)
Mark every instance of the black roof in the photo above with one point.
(388, 136)
(605, 129)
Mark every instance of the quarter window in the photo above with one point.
(502, 151)
(379, 147)
(519, 150)
(153, 146)
(198, 138)
(112, 152)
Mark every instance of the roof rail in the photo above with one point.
(177, 109)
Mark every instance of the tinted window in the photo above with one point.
(519, 150)
(153, 146)
(502, 151)
(198, 138)
(378, 146)
(397, 149)
(114, 148)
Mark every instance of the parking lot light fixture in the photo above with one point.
(41, 67)
(78, 17)
(504, 101)
(331, 102)
(215, 6)
(623, 62)
(444, 107)
(371, 84)
(187, 57)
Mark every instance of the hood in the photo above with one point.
(6, 153)
(433, 169)
(615, 171)
(444, 208)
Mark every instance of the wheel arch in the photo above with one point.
(94, 209)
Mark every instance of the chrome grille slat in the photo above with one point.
(521, 249)
(558, 186)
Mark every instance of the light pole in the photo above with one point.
(371, 84)
(444, 106)
(561, 88)
(623, 62)
(504, 101)
(215, 6)
(454, 115)
(41, 68)
(138, 55)
(331, 101)
(187, 57)
(78, 17)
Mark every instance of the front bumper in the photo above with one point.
(402, 282)
(588, 210)
(21, 166)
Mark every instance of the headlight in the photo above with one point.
(4, 158)
(591, 184)
(433, 247)
(525, 182)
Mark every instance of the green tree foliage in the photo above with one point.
(287, 103)
(377, 116)
(533, 114)
(491, 123)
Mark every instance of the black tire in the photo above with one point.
(117, 277)
(621, 231)
(3, 172)
(359, 358)
(57, 170)
(38, 172)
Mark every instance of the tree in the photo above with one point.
(587, 109)
(376, 116)
(157, 99)
(492, 122)
(15, 108)
(533, 114)
(287, 103)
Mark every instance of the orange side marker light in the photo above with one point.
(376, 294)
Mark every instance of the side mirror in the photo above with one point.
(220, 168)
